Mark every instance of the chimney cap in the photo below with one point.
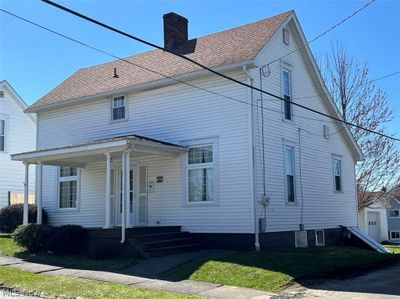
(173, 14)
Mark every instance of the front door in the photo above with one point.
(118, 196)
(137, 199)
(373, 227)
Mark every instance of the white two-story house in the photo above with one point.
(17, 134)
(154, 140)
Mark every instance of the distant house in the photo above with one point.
(17, 134)
(393, 213)
(373, 218)
(122, 148)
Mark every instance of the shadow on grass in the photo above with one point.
(275, 269)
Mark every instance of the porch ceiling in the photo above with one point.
(77, 155)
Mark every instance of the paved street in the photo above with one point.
(384, 283)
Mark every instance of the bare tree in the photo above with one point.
(361, 102)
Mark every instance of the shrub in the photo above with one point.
(11, 216)
(67, 239)
(105, 250)
(32, 236)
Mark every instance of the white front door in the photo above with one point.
(141, 195)
(373, 225)
(118, 195)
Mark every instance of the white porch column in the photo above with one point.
(108, 192)
(127, 190)
(123, 187)
(39, 192)
(26, 194)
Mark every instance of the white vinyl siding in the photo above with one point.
(68, 188)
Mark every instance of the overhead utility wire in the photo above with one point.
(211, 70)
(323, 33)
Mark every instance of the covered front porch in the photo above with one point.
(125, 180)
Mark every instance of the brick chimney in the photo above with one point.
(175, 30)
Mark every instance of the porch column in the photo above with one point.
(26, 194)
(108, 192)
(39, 193)
(123, 186)
(127, 190)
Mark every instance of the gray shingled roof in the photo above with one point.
(222, 48)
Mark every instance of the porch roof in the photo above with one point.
(77, 155)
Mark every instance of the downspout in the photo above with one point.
(256, 231)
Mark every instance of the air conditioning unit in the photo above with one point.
(300, 237)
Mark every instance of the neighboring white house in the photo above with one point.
(17, 134)
(216, 160)
(373, 220)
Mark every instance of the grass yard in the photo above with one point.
(393, 248)
(10, 248)
(76, 287)
(272, 270)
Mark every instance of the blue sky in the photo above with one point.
(35, 61)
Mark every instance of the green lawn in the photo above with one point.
(76, 287)
(10, 248)
(272, 270)
(393, 248)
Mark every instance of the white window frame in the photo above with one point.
(286, 33)
(394, 231)
(293, 147)
(213, 141)
(76, 178)
(126, 101)
(394, 216)
(5, 119)
(289, 71)
(316, 237)
(325, 129)
(337, 157)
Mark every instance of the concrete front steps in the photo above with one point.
(161, 241)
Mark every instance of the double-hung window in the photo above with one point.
(118, 108)
(68, 183)
(337, 174)
(200, 173)
(395, 235)
(2, 135)
(287, 94)
(290, 174)
(394, 213)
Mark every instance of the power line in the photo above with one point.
(213, 71)
(323, 33)
(186, 83)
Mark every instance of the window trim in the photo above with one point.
(186, 166)
(126, 106)
(289, 71)
(394, 217)
(76, 178)
(287, 144)
(316, 238)
(287, 32)
(5, 119)
(394, 231)
(337, 157)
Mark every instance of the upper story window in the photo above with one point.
(2, 135)
(119, 108)
(1, 94)
(394, 213)
(286, 36)
(68, 187)
(290, 174)
(287, 94)
(337, 173)
(200, 173)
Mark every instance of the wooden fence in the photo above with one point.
(14, 198)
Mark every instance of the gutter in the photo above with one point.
(254, 201)
(139, 87)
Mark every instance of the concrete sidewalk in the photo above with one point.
(189, 287)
